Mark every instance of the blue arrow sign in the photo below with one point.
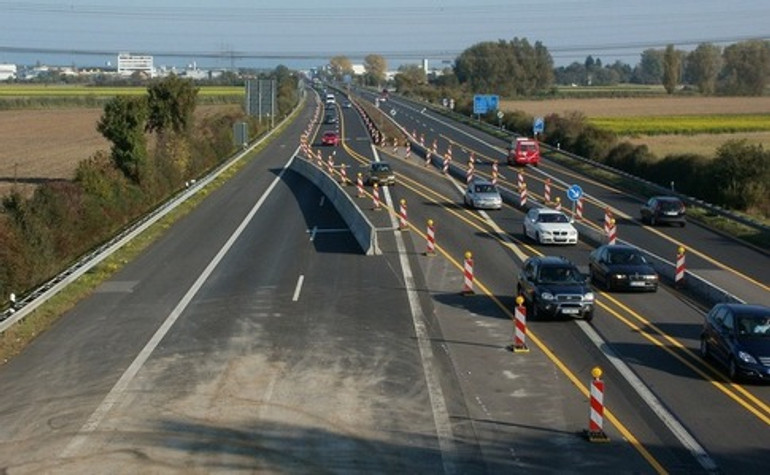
(539, 125)
(574, 192)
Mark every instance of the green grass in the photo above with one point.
(684, 124)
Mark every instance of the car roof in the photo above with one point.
(547, 211)
(620, 247)
(667, 198)
(552, 260)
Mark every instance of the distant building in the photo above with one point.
(7, 71)
(129, 64)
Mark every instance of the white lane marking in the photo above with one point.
(444, 433)
(313, 232)
(120, 388)
(298, 289)
(652, 401)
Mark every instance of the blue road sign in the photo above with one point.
(539, 125)
(483, 103)
(574, 192)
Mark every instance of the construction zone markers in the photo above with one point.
(595, 432)
(520, 327)
(403, 223)
(431, 247)
(680, 267)
(376, 196)
(468, 274)
(612, 236)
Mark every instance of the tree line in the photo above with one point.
(157, 146)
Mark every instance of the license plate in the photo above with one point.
(636, 284)
(570, 311)
(670, 213)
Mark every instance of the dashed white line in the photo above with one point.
(298, 288)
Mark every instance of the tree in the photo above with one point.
(672, 67)
(409, 76)
(740, 174)
(340, 66)
(702, 67)
(171, 103)
(746, 67)
(506, 68)
(123, 123)
(650, 67)
(375, 66)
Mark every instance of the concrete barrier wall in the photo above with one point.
(359, 224)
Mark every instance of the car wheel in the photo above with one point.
(652, 220)
(704, 348)
(589, 316)
(532, 311)
(682, 224)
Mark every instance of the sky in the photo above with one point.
(305, 33)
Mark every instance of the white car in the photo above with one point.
(548, 226)
(481, 194)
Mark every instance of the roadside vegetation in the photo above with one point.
(156, 148)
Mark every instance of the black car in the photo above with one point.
(663, 209)
(621, 267)
(331, 119)
(553, 286)
(380, 173)
(738, 337)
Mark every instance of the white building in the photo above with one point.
(7, 71)
(129, 64)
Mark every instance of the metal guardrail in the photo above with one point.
(45, 291)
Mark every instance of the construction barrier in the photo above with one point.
(547, 192)
(445, 168)
(403, 223)
(376, 196)
(408, 149)
(523, 196)
(344, 174)
(557, 204)
(427, 157)
(520, 327)
(612, 236)
(607, 220)
(680, 267)
(521, 181)
(431, 250)
(468, 274)
(360, 184)
(596, 417)
(579, 209)
(494, 172)
(469, 172)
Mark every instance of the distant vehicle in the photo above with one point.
(482, 194)
(524, 151)
(346, 104)
(553, 286)
(663, 209)
(618, 266)
(330, 138)
(548, 226)
(330, 119)
(329, 99)
(738, 337)
(380, 173)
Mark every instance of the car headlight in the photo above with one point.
(619, 276)
(746, 358)
(650, 277)
(546, 296)
(588, 297)
(572, 232)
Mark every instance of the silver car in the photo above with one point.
(483, 195)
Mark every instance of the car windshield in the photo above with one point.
(380, 167)
(627, 257)
(485, 189)
(667, 205)
(552, 218)
(754, 325)
(559, 275)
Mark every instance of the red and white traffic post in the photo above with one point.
(469, 172)
(521, 181)
(494, 172)
(523, 196)
(431, 234)
(612, 236)
(427, 157)
(680, 267)
(547, 192)
(360, 184)
(607, 219)
(468, 274)
(579, 209)
(403, 223)
(520, 327)
(376, 196)
(595, 431)
(557, 204)
(408, 149)
(445, 168)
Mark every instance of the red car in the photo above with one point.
(330, 138)
(524, 151)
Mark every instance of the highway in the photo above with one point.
(256, 336)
